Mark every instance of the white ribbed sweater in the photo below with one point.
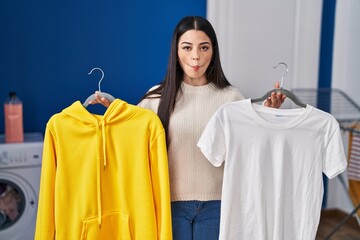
(192, 177)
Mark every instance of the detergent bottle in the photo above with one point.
(13, 112)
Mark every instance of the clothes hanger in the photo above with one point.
(102, 94)
(282, 90)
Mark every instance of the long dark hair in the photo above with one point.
(169, 87)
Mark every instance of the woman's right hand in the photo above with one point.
(103, 101)
(276, 99)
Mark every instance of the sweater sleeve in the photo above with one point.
(161, 185)
(45, 223)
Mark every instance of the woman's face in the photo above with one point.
(194, 53)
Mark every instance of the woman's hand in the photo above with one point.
(103, 101)
(276, 99)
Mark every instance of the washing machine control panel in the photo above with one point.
(20, 154)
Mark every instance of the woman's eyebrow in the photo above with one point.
(186, 43)
(192, 44)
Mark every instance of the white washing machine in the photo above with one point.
(20, 167)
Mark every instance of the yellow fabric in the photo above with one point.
(104, 177)
(354, 186)
(354, 190)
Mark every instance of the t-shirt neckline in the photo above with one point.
(301, 114)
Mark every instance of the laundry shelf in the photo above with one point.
(333, 101)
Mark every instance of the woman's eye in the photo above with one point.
(186, 48)
(204, 48)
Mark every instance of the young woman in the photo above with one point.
(194, 87)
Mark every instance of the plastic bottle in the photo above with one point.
(13, 112)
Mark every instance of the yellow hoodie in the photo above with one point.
(104, 177)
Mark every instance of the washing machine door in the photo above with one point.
(18, 207)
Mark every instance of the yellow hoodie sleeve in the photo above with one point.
(45, 227)
(161, 186)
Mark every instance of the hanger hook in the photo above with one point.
(102, 75)
(287, 70)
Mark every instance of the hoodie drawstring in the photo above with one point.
(101, 138)
(103, 141)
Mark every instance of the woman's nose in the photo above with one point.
(195, 55)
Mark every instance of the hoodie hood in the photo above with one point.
(118, 111)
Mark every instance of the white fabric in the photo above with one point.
(274, 160)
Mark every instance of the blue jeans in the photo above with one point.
(195, 220)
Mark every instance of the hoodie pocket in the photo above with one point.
(114, 225)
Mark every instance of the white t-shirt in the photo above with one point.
(274, 160)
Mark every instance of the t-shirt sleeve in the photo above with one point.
(212, 141)
(334, 159)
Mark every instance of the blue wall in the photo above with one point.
(47, 49)
(325, 65)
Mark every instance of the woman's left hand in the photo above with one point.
(276, 99)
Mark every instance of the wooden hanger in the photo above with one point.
(282, 90)
(102, 94)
